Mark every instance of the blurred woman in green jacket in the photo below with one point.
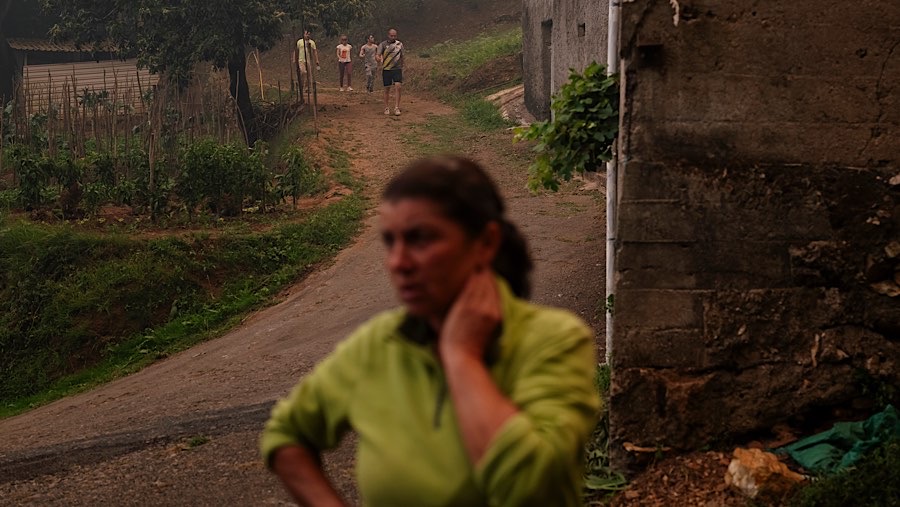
(467, 395)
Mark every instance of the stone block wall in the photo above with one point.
(758, 257)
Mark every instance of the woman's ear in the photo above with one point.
(489, 243)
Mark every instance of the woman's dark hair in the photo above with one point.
(469, 197)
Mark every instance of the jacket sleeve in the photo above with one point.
(315, 413)
(536, 456)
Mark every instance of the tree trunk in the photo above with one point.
(240, 91)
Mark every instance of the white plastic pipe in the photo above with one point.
(612, 67)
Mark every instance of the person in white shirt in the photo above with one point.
(345, 63)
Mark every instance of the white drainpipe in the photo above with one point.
(612, 67)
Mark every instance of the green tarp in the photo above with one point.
(842, 446)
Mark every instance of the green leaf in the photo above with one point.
(582, 131)
(612, 482)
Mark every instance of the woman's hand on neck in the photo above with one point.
(469, 325)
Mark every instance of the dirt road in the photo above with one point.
(184, 430)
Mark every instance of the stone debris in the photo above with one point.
(892, 249)
(887, 288)
(757, 473)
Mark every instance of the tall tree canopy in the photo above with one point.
(170, 36)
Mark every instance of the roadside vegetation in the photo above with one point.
(87, 300)
(119, 245)
(128, 234)
(601, 481)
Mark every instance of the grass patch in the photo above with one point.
(483, 115)
(458, 59)
(874, 482)
(196, 441)
(438, 134)
(340, 163)
(78, 309)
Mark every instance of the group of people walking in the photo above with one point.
(386, 56)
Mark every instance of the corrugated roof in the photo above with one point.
(23, 44)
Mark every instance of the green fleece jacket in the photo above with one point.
(385, 383)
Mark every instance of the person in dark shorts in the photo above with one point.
(390, 56)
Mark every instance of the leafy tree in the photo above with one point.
(580, 136)
(328, 15)
(171, 36)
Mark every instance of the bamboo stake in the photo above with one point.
(29, 102)
(84, 114)
(64, 97)
(221, 111)
(51, 146)
(77, 118)
(280, 107)
(203, 110)
(141, 91)
(127, 134)
(262, 91)
(95, 111)
(2, 101)
(115, 118)
(104, 126)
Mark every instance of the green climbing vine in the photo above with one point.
(580, 135)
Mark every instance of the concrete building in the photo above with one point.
(558, 36)
(758, 264)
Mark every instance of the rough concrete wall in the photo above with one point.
(580, 30)
(758, 260)
(535, 71)
(574, 32)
